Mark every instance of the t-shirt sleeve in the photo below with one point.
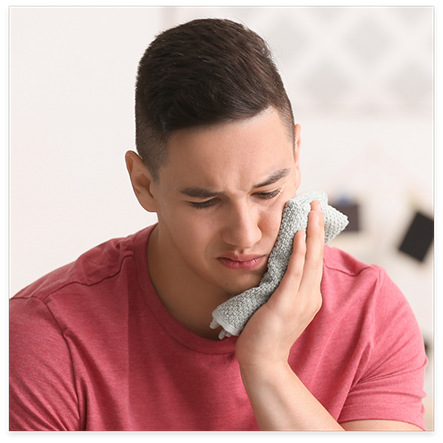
(390, 385)
(42, 390)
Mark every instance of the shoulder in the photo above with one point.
(42, 394)
(31, 306)
(368, 299)
(345, 275)
(362, 289)
(338, 261)
(367, 325)
(70, 319)
(98, 283)
(370, 315)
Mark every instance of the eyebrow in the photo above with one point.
(274, 178)
(202, 193)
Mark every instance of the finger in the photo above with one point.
(314, 246)
(315, 232)
(291, 281)
(316, 223)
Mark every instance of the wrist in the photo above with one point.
(265, 374)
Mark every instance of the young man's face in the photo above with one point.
(221, 195)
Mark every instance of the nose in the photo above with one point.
(241, 226)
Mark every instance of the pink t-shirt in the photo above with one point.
(93, 348)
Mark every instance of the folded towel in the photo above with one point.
(233, 315)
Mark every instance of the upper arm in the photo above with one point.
(379, 425)
(41, 378)
(388, 392)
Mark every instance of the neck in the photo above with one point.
(188, 298)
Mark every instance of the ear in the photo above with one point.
(141, 180)
(297, 132)
(297, 146)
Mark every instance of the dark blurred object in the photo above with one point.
(351, 210)
(419, 237)
(427, 347)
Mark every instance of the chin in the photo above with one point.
(236, 288)
(234, 283)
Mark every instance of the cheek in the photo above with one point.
(199, 236)
(270, 220)
(193, 234)
(272, 216)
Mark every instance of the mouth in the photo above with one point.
(243, 262)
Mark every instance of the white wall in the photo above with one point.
(361, 84)
(71, 93)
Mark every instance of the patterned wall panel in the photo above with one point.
(351, 59)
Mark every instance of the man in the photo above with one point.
(120, 339)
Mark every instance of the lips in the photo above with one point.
(241, 262)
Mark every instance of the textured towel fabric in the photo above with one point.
(233, 314)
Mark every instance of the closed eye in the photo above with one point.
(213, 201)
(205, 204)
(268, 195)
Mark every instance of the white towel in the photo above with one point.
(233, 315)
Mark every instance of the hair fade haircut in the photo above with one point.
(203, 72)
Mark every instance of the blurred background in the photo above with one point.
(361, 83)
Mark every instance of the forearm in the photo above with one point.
(280, 401)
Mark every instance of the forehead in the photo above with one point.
(238, 152)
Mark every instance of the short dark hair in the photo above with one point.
(200, 73)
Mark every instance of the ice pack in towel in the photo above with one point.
(234, 313)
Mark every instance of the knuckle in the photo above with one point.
(315, 304)
(319, 303)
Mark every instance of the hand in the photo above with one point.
(268, 336)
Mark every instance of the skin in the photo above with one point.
(219, 201)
